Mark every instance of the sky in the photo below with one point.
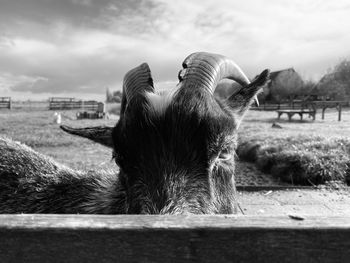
(78, 48)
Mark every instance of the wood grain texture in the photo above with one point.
(132, 238)
(5, 102)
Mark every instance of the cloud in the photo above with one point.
(84, 46)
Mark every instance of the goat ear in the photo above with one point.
(136, 81)
(242, 98)
(99, 134)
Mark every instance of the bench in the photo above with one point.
(300, 112)
(96, 110)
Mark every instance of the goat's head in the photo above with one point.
(176, 150)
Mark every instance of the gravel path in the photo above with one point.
(248, 174)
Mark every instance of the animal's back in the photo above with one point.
(34, 183)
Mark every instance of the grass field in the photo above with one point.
(308, 152)
(36, 129)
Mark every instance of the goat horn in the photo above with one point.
(206, 69)
(99, 134)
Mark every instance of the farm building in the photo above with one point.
(283, 85)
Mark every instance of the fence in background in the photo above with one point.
(300, 106)
(5, 103)
(297, 104)
(331, 104)
(59, 103)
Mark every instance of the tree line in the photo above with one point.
(288, 85)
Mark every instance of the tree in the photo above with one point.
(336, 84)
(115, 96)
(330, 87)
(109, 95)
(308, 87)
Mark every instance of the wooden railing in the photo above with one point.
(57, 103)
(204, 238)
(331, 104)
(277, 106)
(302, 105)
(5, 102)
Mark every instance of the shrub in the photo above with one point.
(248, 151)
(301, 161)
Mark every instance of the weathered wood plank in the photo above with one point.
(56, 103)
(57, 221)
(257, 188)
(5, 102)
(127, 238)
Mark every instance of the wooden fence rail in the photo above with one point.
(5, 102)
(302, 106)
(332, 104)
(56, 103)
(140, 238)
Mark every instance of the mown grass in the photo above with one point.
(306, 153)
(37, 130)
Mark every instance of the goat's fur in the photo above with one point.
(175, 152)
(31, 182)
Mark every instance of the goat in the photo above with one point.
(175, 150)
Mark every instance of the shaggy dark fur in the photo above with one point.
(33, 183)
(176, 160)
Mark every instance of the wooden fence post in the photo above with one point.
(323, 110)
(339, 111)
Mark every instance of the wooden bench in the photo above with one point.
(200, 238)
(300, 112)
(5, 102)
(96, 112)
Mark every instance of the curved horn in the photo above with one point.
(100, 134)
(137, 80)
(206, 69)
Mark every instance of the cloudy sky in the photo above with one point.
(80, 47)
